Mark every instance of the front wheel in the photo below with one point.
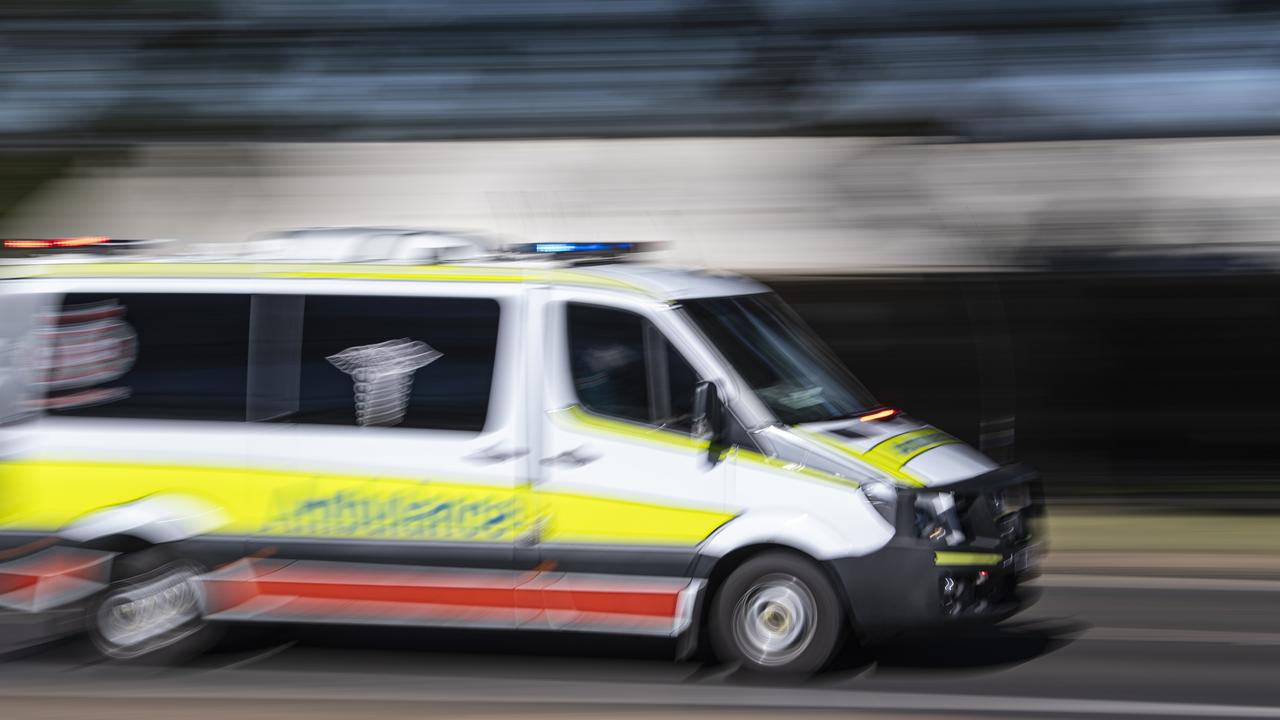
(777, 613)
(153, 610)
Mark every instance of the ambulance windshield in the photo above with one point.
(787, 366)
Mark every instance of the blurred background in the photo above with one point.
(1049, 228)
(1059, 212)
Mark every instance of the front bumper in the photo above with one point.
(913, 584)
(905, 587)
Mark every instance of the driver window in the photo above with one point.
(624, 368)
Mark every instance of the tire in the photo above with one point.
(152, 612)
(777, 614)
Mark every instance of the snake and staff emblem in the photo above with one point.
(383, 377)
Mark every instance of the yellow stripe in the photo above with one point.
(582, 519)
(47, 495)
(902, 448)
(342, 271)
(876, 460)
(964, 558)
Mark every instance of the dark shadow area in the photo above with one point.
(1148, 387)
(981, 649)
(479, 642)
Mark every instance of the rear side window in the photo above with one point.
(396, 361)
(171, 356)
(623, 367)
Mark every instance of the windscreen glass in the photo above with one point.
(786, 365)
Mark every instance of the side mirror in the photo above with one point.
(708, 417)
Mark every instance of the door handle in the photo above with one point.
(574, 458)
(495, 454)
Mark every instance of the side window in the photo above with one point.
(396, 361)
(171, 356)
(623, 367)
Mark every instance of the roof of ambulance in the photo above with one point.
(663, 282)
(676, 282)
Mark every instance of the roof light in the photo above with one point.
(878, 415)
(56, 242)
(73, 246)
(591, 247)
(81, 241)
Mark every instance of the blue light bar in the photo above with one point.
(594, 247)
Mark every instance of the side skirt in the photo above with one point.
(267, 590)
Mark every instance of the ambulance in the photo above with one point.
(406, 427)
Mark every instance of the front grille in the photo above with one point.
(973, 592)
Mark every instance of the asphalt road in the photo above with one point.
(1095, 646)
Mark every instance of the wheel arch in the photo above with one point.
(715, 570)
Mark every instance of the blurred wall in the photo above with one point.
(751, 204)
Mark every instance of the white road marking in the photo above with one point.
(269, 652)
(1219, 637)
(1118, 582)
(327, 685)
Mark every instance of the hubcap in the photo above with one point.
(156, 612)
(774, 621)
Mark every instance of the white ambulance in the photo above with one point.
(416, 428)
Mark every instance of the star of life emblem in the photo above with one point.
(383, 377)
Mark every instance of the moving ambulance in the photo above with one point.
(405, 427)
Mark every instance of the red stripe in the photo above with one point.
(301, 583)
(10, 582)
(471, 596)
(599, 601)
(602, 601)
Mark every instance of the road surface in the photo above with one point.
(1095, 646)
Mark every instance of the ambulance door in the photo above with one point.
(393, 451)
(624, 493)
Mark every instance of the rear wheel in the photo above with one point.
(153, 610)
(777, 613)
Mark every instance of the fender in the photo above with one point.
(799, 530)
(155, 519)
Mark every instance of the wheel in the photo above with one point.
(777, 613)
(152, 611)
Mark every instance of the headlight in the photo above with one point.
(937, 519)
(884, 499)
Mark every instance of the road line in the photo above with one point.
(1115, 582)
(269, 652)
(615, 694)
(1219, 637)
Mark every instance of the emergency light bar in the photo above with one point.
(95, 244)
(593, 249)
(56, 242)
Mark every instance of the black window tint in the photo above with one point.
(275, 349)
(149, 355)
(606, 351)
(623, 367)
(424, 390)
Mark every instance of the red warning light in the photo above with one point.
(879, 415)
(67, 242)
